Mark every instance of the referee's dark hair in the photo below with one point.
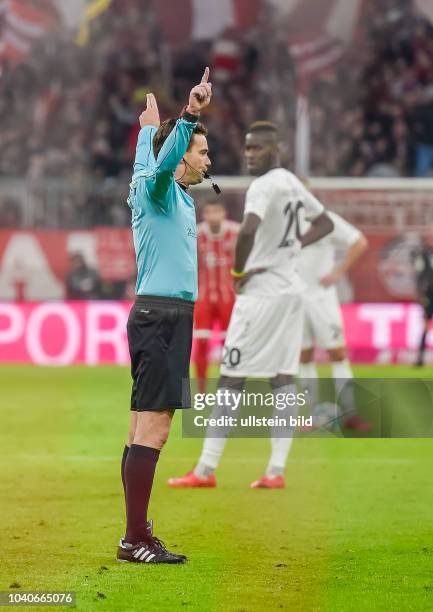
(166, 128)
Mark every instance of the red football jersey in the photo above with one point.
(215, 260)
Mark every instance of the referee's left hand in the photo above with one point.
(200, 95)
(150, 116)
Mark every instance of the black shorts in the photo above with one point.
(160, 341)
(427, 302)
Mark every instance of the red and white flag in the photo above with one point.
(187, 20)
(319, 33)
(24, 22)
(318, 36)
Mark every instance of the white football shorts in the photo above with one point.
(264, 337)
(323, 324)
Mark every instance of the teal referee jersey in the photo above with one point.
(163, 218)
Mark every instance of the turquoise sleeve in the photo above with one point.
(144, 157)
(169, 157)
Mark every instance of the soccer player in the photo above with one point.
(268, 312)
(168, 160)
(323, 324)
(216, 240)
(423, 263)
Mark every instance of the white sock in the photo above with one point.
(342, 374)
(280, 446)
(213, 447)
(307, 370)
(341, 370)
(309, 375)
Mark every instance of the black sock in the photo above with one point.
(139, 472)
(422, 347)
(122, 468)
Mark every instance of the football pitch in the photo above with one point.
(353, 530)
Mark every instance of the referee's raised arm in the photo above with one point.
(149, 123)
(176, 137)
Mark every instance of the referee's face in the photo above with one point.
(197, 160)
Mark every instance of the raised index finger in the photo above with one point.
(205, 77)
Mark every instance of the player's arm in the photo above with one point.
(177, 142)
(321, 223)
(244, 246)
(245, 241)
(256, 203)
(353, 254)
(321, 226)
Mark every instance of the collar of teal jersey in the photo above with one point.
(182, 186)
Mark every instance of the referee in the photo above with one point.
(170, 157)
(423, 262)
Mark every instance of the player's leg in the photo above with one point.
(423, 344)
(203, 474)
(202, 334)
(284, 340)
(308, 375)
(229, 387)
(239, 353)
(328, 325)
(428, 315)
(213, 447)
(216, 437)
(283, 387)
(201, 362)
(307, 367)
(343, 381)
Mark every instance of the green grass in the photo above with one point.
(352, 530)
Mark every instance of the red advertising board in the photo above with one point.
(34, 264)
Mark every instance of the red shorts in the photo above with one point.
(206, 314)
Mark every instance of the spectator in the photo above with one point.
(372, 114)
(82, 281)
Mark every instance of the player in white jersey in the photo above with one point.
(323, 324)
(268, 312)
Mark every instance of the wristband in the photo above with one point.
(236, 274)
(189, 116)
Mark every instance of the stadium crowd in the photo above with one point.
(373, 115)
(71, 111)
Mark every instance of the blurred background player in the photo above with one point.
(268, 312)
(423, 263)
(82, 281)
(216, 241)
(323, 323)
